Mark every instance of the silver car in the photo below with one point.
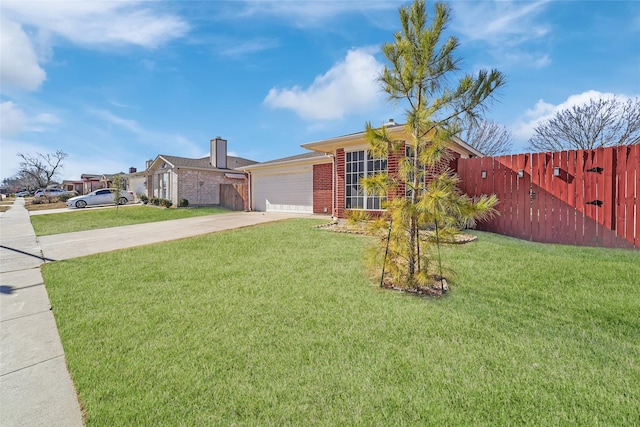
(104, 196)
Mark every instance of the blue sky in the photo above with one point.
(114, 83)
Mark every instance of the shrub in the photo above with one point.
(154, 201)
(166, 203)
(355, 216)
(65, 197)
(183, 203)
(38, 201)
(143, 198)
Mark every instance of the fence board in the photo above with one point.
(523, 187)
(621, 176)
(564, 209)
(632, 196)
(608, 196)
(499, 186)
(547, 207)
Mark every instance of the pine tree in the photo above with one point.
(420, 65)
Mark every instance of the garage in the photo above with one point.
(284, 192)
(289, 184)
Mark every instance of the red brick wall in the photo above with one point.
(393, 164)
(322, 187)
(339, 200)
(199, 187)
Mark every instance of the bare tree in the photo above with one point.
(598, 123)
(18, 182)
(41, 169)
(489, 138)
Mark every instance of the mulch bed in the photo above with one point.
(437, 288)
(360, 229)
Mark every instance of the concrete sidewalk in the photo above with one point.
(35, 386)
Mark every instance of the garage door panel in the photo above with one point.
(291, 192)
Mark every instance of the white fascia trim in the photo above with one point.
(301, 162)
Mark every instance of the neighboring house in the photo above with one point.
(70, 185)
(210, 180)
(136, 182)
(327, 179)
(90, 182)
(107, 180)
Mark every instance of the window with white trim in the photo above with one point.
(358, 165)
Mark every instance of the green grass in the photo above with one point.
(278, 325)
(66, 222)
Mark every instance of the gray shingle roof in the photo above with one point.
(204, 163)
(309, 155)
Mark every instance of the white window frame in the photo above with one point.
(357, 165)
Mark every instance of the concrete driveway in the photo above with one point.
(72, 245)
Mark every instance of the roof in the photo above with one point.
(90, 176)
(303, 156)
(309, 157)
(331, 144)
(205, 162)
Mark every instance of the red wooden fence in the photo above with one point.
(584, 197)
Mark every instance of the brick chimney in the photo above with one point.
(218, 154)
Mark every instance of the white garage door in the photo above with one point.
(287, 192)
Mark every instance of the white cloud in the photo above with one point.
(29, 29)
(19, 68)
(238, 49)
(91, 23)
(181, 145)
(500, 22)
(350, 86)
(127, 124)
(510, 29)
(312, 13)
(12, 119)
(543, 111)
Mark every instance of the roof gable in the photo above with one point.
(312, 157)
(356, 139)
(202, 163)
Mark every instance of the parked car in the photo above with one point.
(52, 192)
(103, 196)
(23, 194)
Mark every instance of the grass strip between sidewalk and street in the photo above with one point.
(278, 324)
(67, 222)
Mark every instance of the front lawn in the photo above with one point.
(66, 222)
(278, 325)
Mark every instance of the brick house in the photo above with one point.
(326, 180)
(91, 182)
(71, 185)
(210, 180)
